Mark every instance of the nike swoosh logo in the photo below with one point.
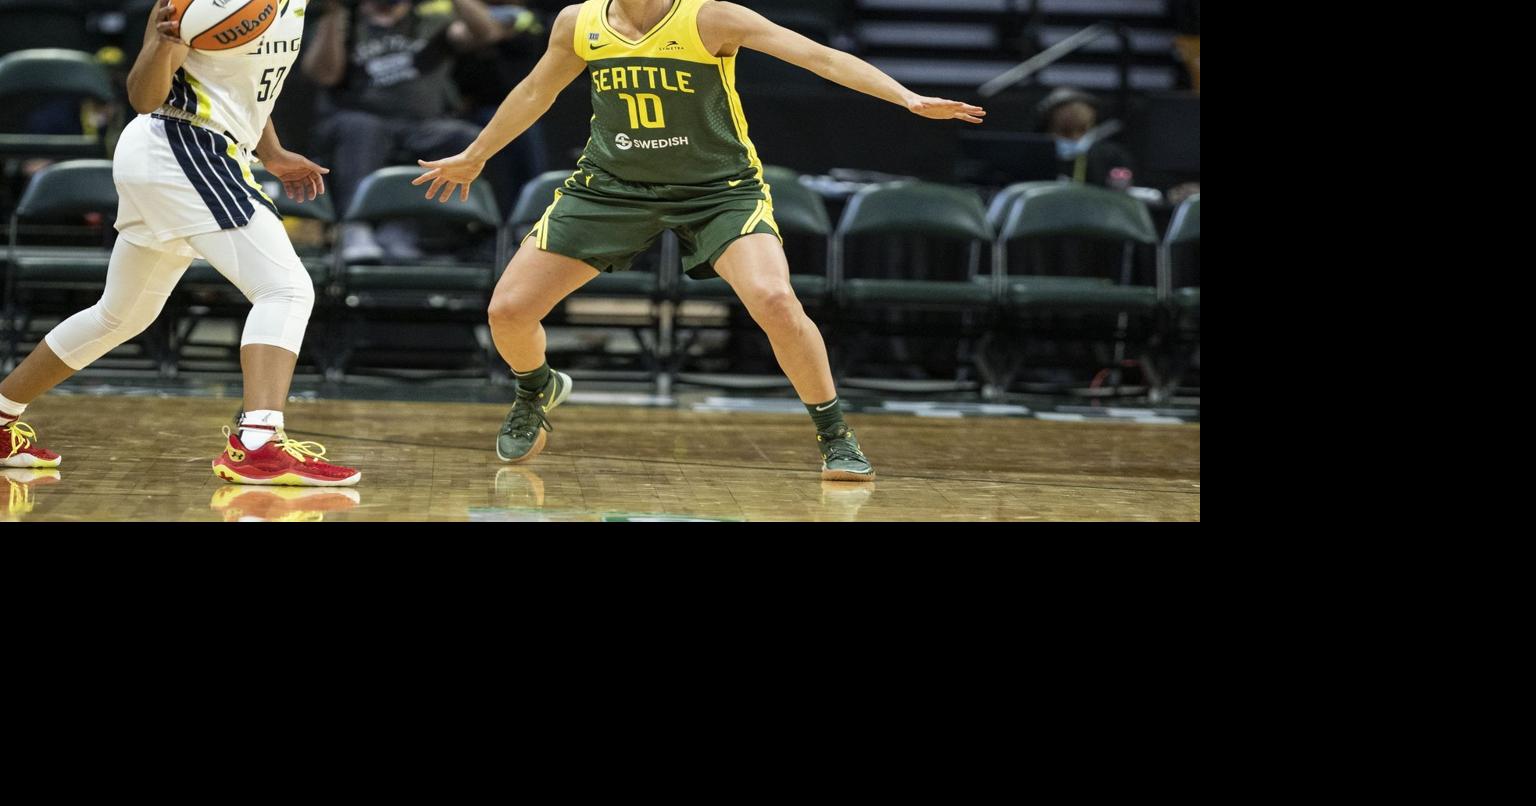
(734, 182)
(828, 406)
(600, 47)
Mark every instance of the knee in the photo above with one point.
(126, 325)
(511, 312)
(777, 309)
(297, 294)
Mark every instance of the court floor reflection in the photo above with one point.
(22, 485)
(435, 462)
(238, 503)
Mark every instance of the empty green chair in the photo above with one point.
(1067, 209)
(65, 191)
(1096, 308)
(1179, 288)
(1174, 278)
(45, 73)
(905, 219)
(906, 209)
(442, 289)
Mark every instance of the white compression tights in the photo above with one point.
(258, 258)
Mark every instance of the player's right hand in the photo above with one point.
(169, 29)
(456, 172)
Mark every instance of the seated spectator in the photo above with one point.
(484, 77)
(1069, 115)
(388, 98)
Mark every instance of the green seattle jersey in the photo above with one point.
(664, 109)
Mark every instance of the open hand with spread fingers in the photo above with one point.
(454, 173)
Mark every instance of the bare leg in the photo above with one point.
(533, 284)
(39, 373)
(758, 272)
(268, 373)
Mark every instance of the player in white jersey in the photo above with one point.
(182, 170)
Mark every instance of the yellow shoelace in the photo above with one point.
(299, 450)
(292, 447)
(21, 437)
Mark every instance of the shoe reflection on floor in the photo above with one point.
(21, 484)
(241, 503)
(842, 500)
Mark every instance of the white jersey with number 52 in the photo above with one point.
(233, 91)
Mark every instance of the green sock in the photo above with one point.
(828, 416)
(531, 383)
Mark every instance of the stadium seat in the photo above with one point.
(896, 214)
(1181, 282)
(922, 209)
(52, 73)
(1179, 288)
(1102, 307)
(64, 192)
(436, 288)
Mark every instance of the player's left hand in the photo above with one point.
(941, 109)
(300, 176)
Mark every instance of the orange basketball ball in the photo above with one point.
(223, 24)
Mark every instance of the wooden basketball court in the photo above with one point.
(436, 462)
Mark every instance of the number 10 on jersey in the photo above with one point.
(644, 111)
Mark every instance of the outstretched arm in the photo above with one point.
(527, 102)
(727, 27)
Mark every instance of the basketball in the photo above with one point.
(223, 24)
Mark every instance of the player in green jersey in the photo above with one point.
(669, 151)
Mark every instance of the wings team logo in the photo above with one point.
(623, 142)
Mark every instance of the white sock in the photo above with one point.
(257, 428)
(10, 410)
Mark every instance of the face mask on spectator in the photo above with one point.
(1067, 150)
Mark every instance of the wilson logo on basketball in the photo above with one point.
(224, 24)
(236, 33)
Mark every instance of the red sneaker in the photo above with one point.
(281, 462)
(18, 448)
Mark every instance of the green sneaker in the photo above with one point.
(841, 458)
(525, 432)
